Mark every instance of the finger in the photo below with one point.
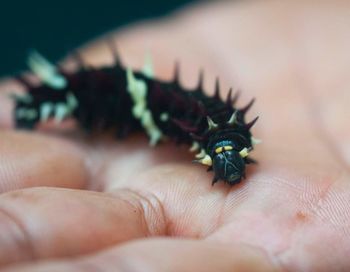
(40, 223)
(164, 255)
(28, 160)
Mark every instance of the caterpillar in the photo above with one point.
(128, 100)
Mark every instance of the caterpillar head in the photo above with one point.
(227, 147)
(228, 164)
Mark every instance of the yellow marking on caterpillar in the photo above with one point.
(255, 141)
(211, 124)
(148, 66)
(29, 114)
(61, 112)
(195, 146)
(46, 71)
(223, 148)
(206, 160)
(164, 117)
(201, 154)
(244, 152)
(26, 98)
(138, 91)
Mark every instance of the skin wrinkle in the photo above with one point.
(139, 209)
(276, 258)
(26, 240)
(148, 210)
(320, 210)
(336, 215)
(314, 209)
(297, 230)
(8, 171)
(219, 221)
(273, 258)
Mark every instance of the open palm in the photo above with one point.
(124, 206)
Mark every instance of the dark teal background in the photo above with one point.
(55, 27)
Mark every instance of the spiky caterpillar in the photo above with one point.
(118, 97)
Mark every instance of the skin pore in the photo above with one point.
(72, 203)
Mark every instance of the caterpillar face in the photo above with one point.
(229, 166)
(227, 163)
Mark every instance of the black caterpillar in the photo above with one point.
(117, 97)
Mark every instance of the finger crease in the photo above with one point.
(151, 209)
(21, 237)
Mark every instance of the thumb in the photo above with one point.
(164, 255)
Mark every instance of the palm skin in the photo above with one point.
(151, 210)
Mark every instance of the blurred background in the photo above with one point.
(56, 27)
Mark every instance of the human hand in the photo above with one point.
(124, 206)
